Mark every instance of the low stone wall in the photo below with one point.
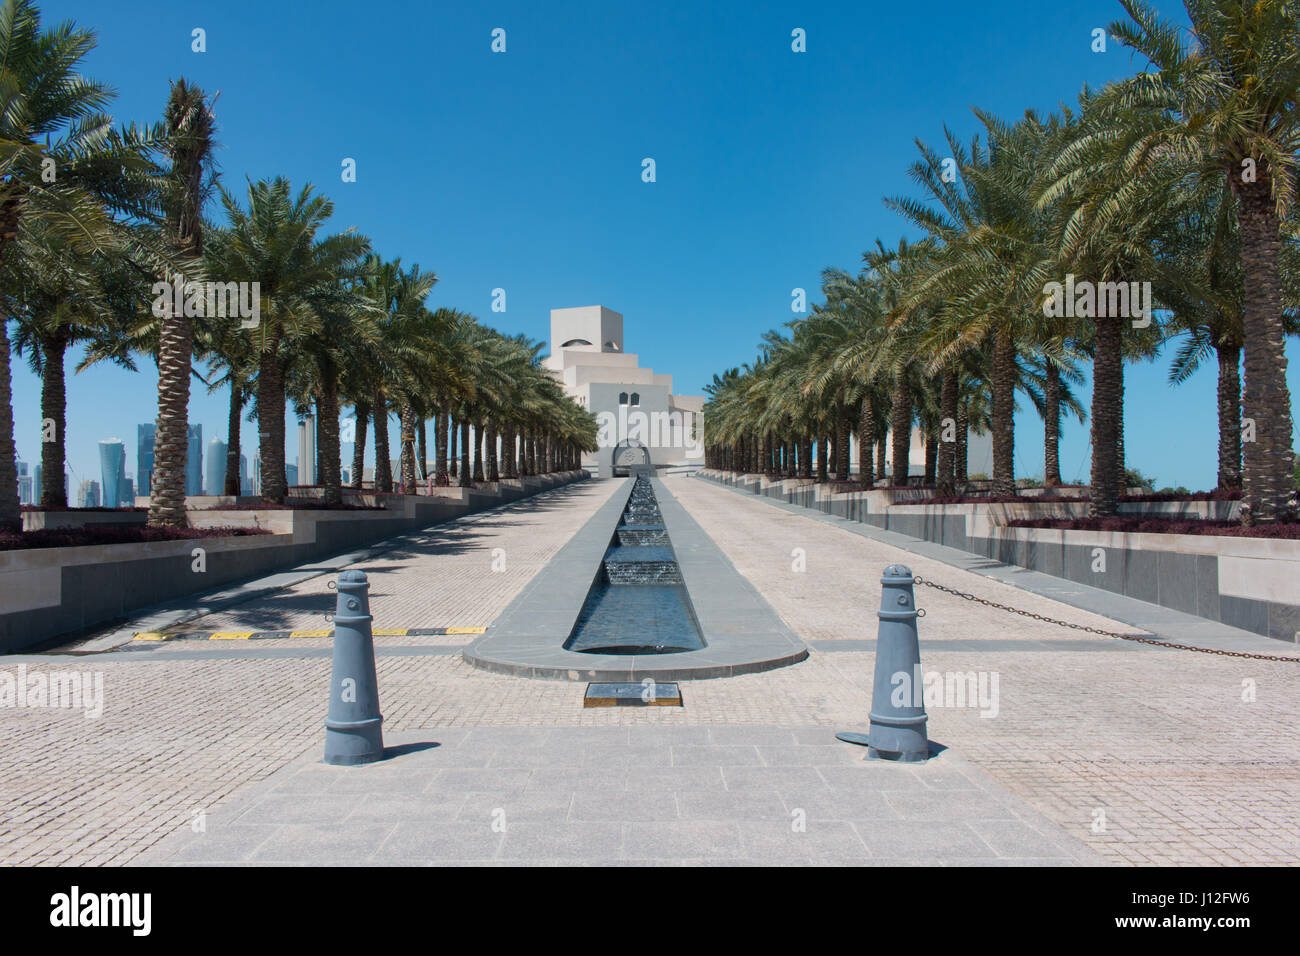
(51, 592)
(1250, 583)
(76, 518)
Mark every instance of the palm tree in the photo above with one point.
(399, 296)
(1227, 104)
(346, 325)
(51, 114)
(59, 297)
(274, 243)
(189, 127)
(1109, 233)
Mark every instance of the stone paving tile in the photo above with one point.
(571, 817)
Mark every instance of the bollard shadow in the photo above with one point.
(401, 750)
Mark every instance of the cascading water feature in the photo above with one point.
(638, 604)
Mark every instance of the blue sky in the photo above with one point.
(522, 170)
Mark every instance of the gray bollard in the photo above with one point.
(897, 730)
(353, 727)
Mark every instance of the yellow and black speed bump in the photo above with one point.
(281, 635)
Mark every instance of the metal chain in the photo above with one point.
(1096, 630)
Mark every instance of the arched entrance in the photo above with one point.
(630, 454)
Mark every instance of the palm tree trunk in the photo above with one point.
(479, 442)
(10, 514)
(805, 458)
(509, 460)
(931, 456)
(464, 454)
(1267, 472)
(963, 436)
(422, 451)
(440, 473)
(383, 463)
(270, 420)
(946, 481)
(1229, 415)
(231, 484)
(900, 424)
(171, 441)
(842, 430)
(1004, 413)
(1052, 427)
(492, 473)
(327, 434)
(453, 436)
(882, 443)
(823, 457)
(866, 434)
(362, 417)
(54, 406)
(1107, 400)
(407, 418)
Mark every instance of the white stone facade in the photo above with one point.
(633, 405)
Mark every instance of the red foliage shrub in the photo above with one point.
(1150, 524)
(112, 534)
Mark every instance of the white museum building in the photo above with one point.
(641, 420)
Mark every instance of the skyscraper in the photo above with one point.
(291, 475)
(144, 435)
(112, 465)
(307, 451)
(216, 470)
(245, 479)
(194, 460)
(88, 494)
(24, 484)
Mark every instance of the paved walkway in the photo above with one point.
(1156, 749)
(683, 796)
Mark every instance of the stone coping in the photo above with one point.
(742, 633)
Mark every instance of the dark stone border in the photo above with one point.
(742, 633)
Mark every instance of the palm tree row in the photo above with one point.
(1161, 206)
(93, 217)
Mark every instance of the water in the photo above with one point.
(638, 604)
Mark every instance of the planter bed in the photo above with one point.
(1148, 524)
(78, 537)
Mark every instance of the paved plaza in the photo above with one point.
(1098, 750)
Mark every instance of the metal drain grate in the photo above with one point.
(646, 693)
